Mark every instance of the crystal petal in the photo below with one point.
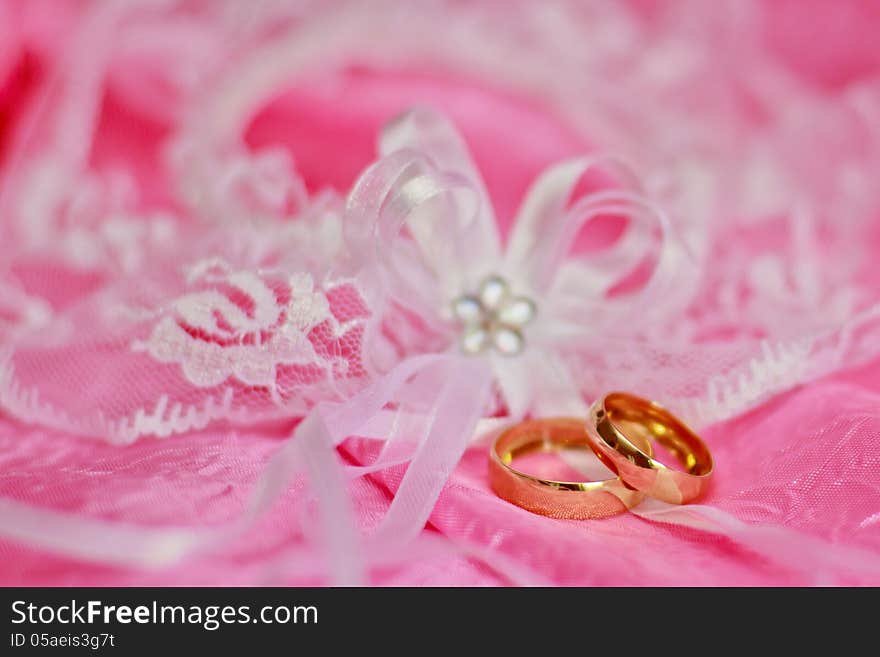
(467, 309)
(507, 341)
(517, 312)
(474, 340)
(493, 292)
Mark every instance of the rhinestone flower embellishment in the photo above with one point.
(493, 318)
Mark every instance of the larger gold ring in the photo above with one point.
(618, 426)
(558, 499)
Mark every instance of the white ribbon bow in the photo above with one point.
(421, 220)
(424, 214)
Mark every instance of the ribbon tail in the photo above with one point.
(538, 383)
(313, 443)
(96, 540)
(795, 551)
(310, 448)
(557, 393)
(450, 429)
(515, 384)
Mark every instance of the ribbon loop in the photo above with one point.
(419, 227)
(427, 131)
(642, 265)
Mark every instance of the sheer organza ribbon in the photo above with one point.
(420, 231)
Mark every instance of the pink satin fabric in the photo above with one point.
(801, 472)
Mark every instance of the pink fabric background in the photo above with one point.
(806, 461)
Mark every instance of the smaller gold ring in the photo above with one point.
(557, 499)
(619, 423)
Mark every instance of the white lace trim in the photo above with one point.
(26, 404)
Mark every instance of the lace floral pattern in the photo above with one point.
(244, 326)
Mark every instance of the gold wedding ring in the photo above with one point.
(621, 430)
(617, 428)
(557, 499)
